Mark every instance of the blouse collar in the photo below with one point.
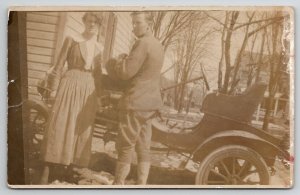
(83, 44)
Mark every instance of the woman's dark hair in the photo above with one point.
(97, 15)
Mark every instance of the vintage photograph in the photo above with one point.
(156, 97)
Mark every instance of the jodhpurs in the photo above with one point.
(134, 136)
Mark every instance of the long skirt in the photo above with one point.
(68, 135)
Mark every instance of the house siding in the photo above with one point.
(41, 32)
(124, 38)
(46, 32)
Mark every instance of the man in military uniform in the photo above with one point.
(141, 68)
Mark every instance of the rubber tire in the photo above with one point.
(228, 151)
(42, 109)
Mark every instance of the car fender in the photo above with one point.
(265, 148)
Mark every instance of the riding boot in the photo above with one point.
(142, 172)
(121, 172)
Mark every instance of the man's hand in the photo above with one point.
(120, 62)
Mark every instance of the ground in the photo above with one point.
(166, 167)
(164, 170)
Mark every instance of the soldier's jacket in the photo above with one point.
(142, 68)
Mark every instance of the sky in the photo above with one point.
(211, 60)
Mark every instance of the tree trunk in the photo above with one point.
(189, 102)
(234, 17)
(269, 104)
(181, 99)
(176, 99)
(237, 63)
(220, 77)
(275, 70)
(260, 60)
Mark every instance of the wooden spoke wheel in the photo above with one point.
(233, 165)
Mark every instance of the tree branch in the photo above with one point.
(259, 21)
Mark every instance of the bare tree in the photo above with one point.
(277, 63)
(238, 59)
(260, 58)
(190, 47)
(251, 62)
(167, 25)
(170, 27)
(227, 44)
(229, 26)
(220, 74)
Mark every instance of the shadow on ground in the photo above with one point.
(157, 175)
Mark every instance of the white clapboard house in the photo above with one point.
(46, 31)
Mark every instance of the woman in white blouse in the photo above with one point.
(68, 136)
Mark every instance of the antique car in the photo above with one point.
(228, 149)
